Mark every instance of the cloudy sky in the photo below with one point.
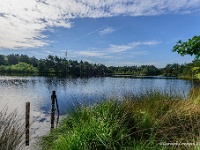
(112, 32)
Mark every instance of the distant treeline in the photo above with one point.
(54, 65)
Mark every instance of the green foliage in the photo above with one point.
(13, 59)
(145, 70)
(23, 68)
(3, 60)
(173, 70)
(196, 71)
(100, 126)
(33, 61)
(18, 68)
(24, 58)
(190, 47)
(139, 122)
(56, 66)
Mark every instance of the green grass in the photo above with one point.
(138, 122)
(11, 131)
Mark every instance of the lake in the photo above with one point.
(16, 91)
(75, 91)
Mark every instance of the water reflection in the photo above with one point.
(76, 90)
(15, 91)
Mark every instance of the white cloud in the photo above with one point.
(150, 43)
(105, 31)
(119, 48)
(112, 51)
(90, 53)
(87, 34)
(48, 52)
(23, 22)
(129, 46)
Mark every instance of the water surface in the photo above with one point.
(16, 91)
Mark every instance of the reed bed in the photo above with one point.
(11, 130)
(151, 120)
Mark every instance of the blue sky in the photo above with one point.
(112, 32)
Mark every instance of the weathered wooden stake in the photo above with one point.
(53, 97)
(57, 111)
(27, 123)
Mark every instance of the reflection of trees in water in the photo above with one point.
(75, 92)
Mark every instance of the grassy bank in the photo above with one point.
(11, 131)
(152, 120)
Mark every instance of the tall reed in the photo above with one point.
(144, 121)
(11, 130)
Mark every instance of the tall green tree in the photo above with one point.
(173, 70)
(34, 61)
(2, 60)
(190, 47)
(24, 58)
(13, 59)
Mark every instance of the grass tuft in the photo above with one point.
(140, 122)
(11, 131)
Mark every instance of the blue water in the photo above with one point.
(81, 91)
(74, 92)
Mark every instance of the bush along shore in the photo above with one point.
(152, 120)
(16, 64)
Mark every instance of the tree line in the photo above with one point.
(52, 65)
(57, 66)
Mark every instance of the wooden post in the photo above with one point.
(57, 111)
(27, 123)
(53, 97)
